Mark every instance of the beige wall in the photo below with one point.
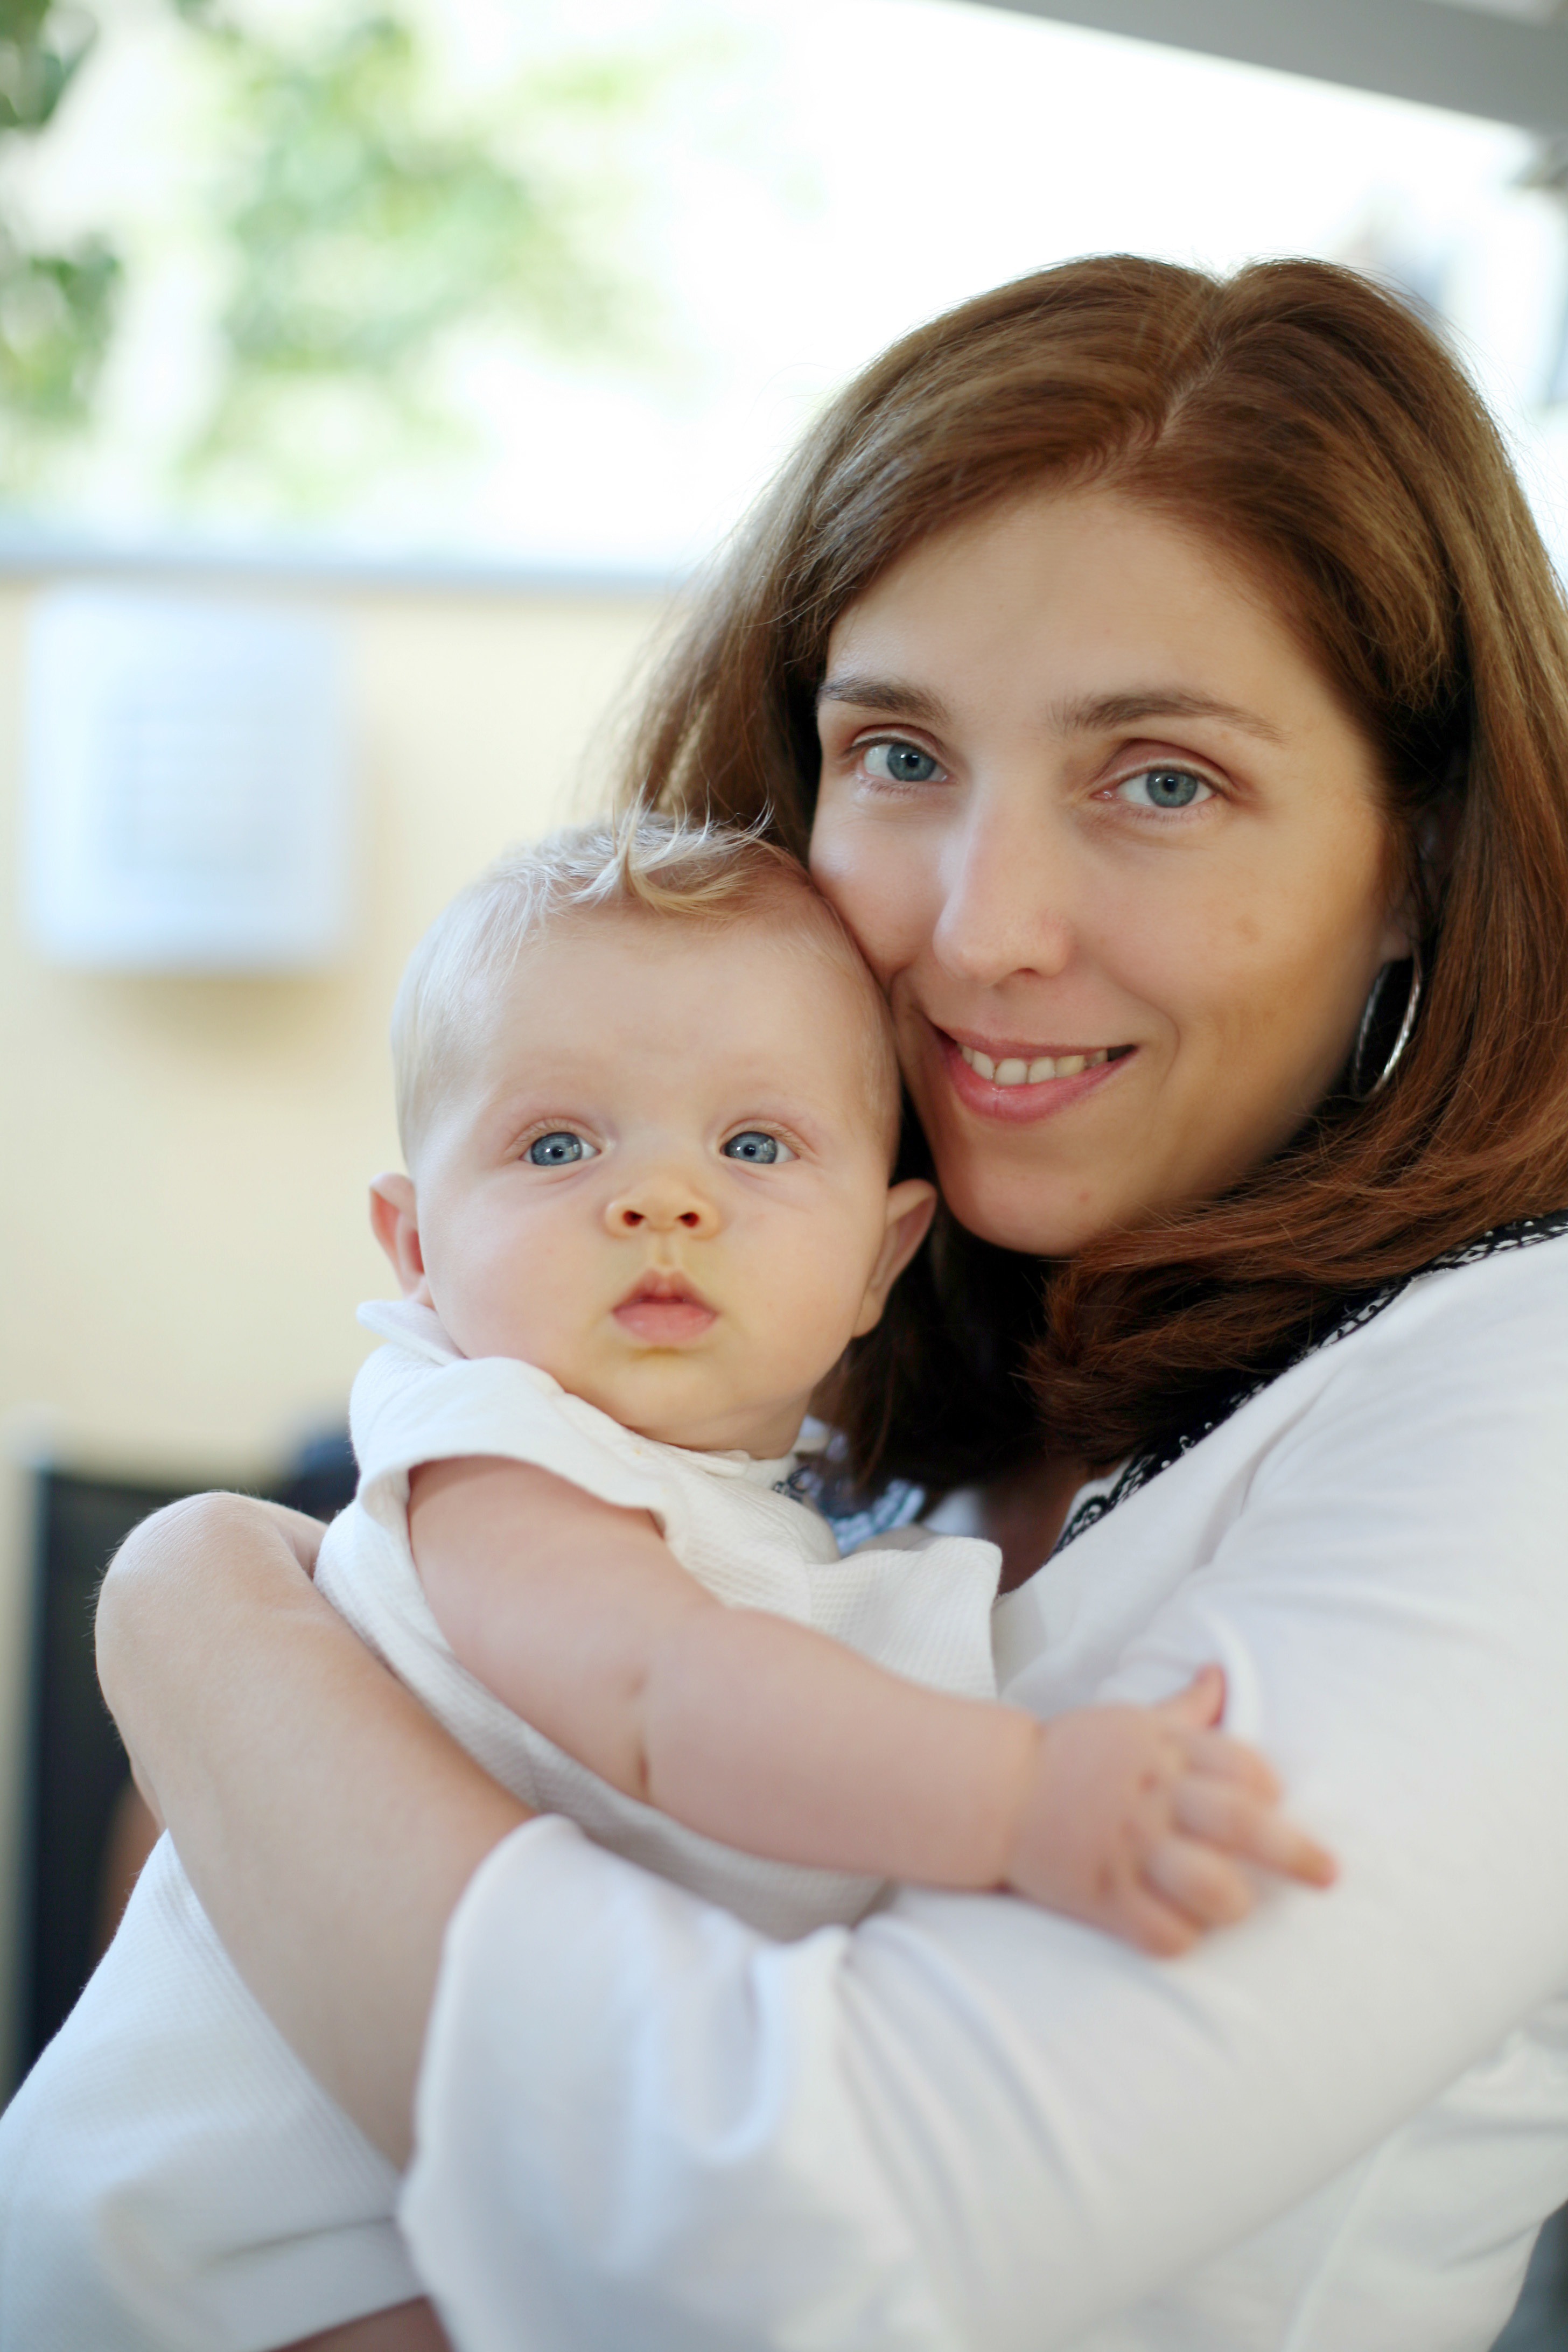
(183, 1166)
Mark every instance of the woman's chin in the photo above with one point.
(1036, 1221)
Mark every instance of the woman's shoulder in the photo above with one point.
(1480, 1328)
(1518, 1270)
(1494, 1308)
(1482, 1325)
(1462, 1364)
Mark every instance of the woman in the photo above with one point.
(1172, 690)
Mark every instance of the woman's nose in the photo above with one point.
(1006, 900)
(663, 1201)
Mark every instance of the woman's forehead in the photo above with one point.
(1019, 546)
(1094, 609)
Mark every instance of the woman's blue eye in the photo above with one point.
(752, 1144)
(900, 763)
(1165, 788)
(559, 1149)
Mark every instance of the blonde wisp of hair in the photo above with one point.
(639, 866)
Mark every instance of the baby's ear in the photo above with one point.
(912, 1205)
(394, 1222)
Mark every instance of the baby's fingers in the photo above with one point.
(1227, 1816)
(1224, 1758)
(1200, 1881)
(1199, 1705)
(1145, 1919)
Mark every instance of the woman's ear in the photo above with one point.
(1435, 837)
(911, 1208)
(394, 1222)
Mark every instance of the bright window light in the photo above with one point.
(598, 267)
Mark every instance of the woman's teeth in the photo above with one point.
(1016, 1073)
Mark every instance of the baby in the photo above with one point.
(649, 1106)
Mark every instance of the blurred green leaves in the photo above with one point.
(368, 224)
(366, 229)
(56, 308)
(40, 48)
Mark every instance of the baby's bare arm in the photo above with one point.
(775, 1739)
(751, 1729)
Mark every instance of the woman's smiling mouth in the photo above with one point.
(1019, 1082)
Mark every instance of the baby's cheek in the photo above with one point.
(502, 1306)
(813, 1312)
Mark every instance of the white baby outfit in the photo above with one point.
(170, 2174)
(918, 1604)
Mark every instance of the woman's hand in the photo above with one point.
(283, 1755)
(1142, 1821)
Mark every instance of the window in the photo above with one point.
(536, 286)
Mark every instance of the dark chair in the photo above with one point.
(82, 1838)
(1540, 2324)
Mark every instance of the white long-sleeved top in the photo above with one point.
(966, 2123)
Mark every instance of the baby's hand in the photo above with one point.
(1140, 1819)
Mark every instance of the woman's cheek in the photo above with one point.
(878, 895)
(832, 867)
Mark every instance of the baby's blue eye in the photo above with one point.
(1165, 788)
(752, 1144)
(900, 763)
(559, 1149)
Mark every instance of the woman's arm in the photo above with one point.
(769, 1736)
(327, 1823)
(967, 2121)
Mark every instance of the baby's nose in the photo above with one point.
(661, 1202)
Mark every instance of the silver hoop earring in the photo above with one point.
(1356, 1083)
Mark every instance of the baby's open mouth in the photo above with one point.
(663, 1310)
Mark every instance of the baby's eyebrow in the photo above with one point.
(893, 695)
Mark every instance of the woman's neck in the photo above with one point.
(1026, 1512)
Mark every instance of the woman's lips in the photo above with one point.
(665, 1312)
(1025, 1098)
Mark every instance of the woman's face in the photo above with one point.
(1114, 849)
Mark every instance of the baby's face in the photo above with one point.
(663, 1177)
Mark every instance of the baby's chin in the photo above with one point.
(681, 1395)
(672, 1400)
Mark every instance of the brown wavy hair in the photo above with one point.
(1307, 422)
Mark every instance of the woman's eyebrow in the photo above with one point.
(1085, 715)
(1090, 713)
(889, 694)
